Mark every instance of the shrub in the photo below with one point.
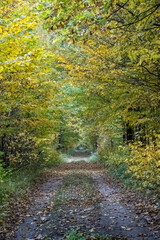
(145, 165)
(19, 149)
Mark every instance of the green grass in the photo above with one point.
(75, 235)
(17, 182)
(15, 186)
(93, 158)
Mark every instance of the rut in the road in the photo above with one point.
(79, 196)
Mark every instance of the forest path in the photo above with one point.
(79, 156)
(79, 195)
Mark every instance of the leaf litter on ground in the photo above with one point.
(79, 195)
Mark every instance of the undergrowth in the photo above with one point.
(115, 161)
(17, 182)
(121, 164)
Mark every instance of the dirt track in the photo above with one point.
(80, 196)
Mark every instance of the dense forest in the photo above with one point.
(79, 73)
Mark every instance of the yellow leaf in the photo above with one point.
(1, 68)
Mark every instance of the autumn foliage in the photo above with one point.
(81, 72)
(113, 56)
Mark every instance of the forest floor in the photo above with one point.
(80, 195)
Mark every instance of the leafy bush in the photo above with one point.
(53, 158)
(17, 181)
(136, 165)
(145, 165)
(20, 149)
(115, 161)
(115, 158)
(48, 156)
